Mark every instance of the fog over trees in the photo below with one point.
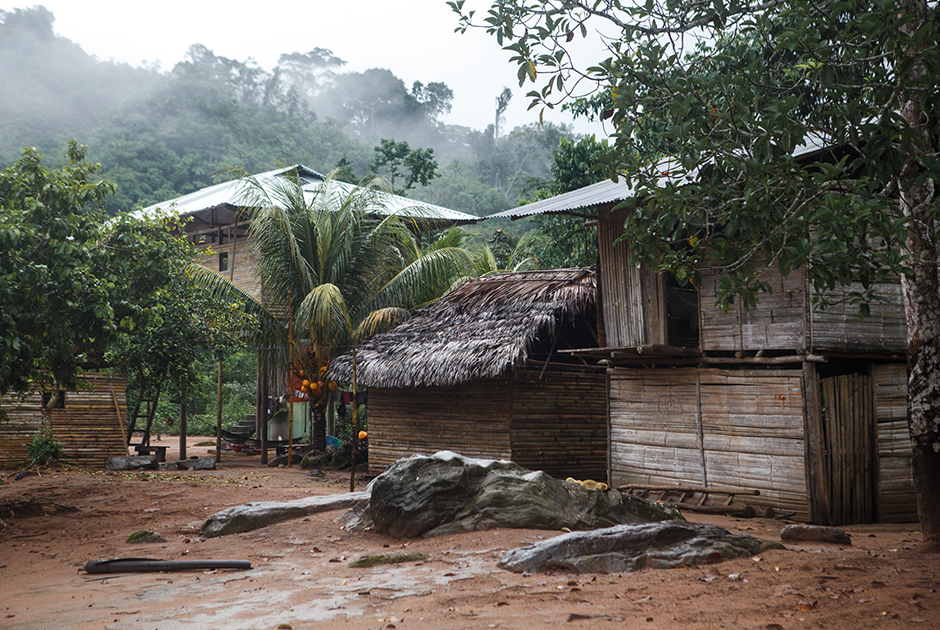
(159, 134)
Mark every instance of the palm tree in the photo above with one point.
(335, 267)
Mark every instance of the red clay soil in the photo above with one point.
(301, 576)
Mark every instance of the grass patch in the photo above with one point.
(389, 558)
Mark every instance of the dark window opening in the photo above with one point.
(58, 403)
(682, 314)
(223, 261)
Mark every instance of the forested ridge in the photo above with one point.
(159, 134)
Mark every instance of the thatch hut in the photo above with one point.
(479, 372)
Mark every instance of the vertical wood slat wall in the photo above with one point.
(633, 297)
(848, 428)
(90, 428)
(897, 502)
(559, 423)
(751, 427)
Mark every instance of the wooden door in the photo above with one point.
(848, 427)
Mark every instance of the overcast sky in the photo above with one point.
(415, 39)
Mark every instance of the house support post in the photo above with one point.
(182, 424)
(218, 420)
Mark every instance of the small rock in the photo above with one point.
(316, 473)
(145, 536)
(200, 463)
(137, 462)
(280, 460)
(815, 533)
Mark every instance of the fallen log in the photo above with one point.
(144, 565)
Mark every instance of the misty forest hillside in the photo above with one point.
(159, 134)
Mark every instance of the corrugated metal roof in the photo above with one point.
(232, 194)
(587, 197)
(609, 191)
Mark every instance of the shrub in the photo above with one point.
(44, 448)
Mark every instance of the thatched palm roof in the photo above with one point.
(478, 330)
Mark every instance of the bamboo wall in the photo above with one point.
(91, 427)
(897, 502)
(838, 327)
(241, 263)
(556, 423)
(848, 429)
(559, 423)
(633, 297)
(720, 428)
(470, 419)
(777, 323)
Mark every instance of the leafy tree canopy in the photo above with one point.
(78, 290)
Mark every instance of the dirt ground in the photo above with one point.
(300, 576)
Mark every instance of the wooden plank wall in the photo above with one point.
(897, 502)
(751, 431)
(634, 308)
(241, 263)
(471, 419)
(837, 327)
(559, 423)
(24, 420)
(91, 427)
(848, 437)
(777, 323)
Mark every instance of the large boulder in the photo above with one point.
(624, 548)
(448, 493)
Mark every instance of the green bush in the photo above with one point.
(44, 449)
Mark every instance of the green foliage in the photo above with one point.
(44, 449)
(76, 290)
(58, 284)
(729, 115)
(397, 161)
(567, 241)
(239, 376)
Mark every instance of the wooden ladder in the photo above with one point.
(151, 410)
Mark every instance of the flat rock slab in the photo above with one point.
(447, 493)
(260, 514)
(625, 548)
(200, 463)
(136, 462)
(815, 533)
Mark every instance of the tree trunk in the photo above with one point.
(318, 430)
(921, 300)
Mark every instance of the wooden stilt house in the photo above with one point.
(219, 225)
(480, 372)
(89, 422)
(805, 406)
